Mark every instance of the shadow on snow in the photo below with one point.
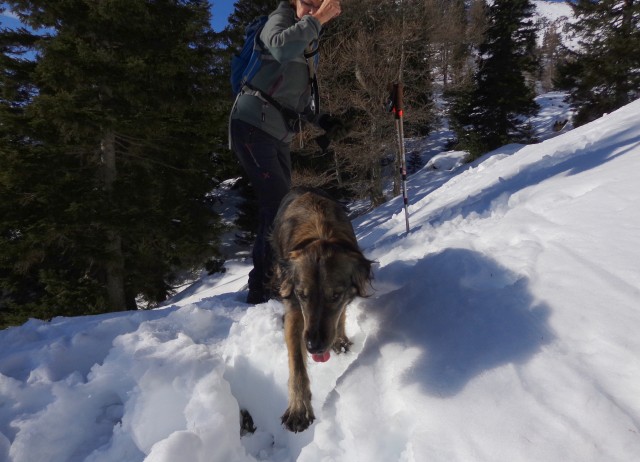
(465, 312)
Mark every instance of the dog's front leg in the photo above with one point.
(299, 414)
(342, 343)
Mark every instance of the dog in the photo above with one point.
(319, 269)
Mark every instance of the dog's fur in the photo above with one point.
(319, 269)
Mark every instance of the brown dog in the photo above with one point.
(319, 269)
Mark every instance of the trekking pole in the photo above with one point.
(395, 101)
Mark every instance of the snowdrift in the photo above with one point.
(503, 327)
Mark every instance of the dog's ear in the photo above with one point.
(284, 276)
(361, 275)
(286, 268)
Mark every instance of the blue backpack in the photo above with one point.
(246, 64)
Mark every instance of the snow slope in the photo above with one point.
(553, 10)
(503, 327)
(558, 14)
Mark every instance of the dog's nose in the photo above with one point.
(314, 345)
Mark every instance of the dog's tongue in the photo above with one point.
(323, 358)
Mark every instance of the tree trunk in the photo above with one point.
(114, 267)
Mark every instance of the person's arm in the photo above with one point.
(287, 39)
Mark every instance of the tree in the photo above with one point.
(552, 53)
(16, 91)
(245, 11)
(604, 73)
(448, 38)
(492, 112)
(110, 165)
(370, 46)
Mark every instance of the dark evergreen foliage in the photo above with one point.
(246, 11)
(604, 74)
(106, 140)
(491, 112)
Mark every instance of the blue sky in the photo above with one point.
(7, 20)
(220, 11)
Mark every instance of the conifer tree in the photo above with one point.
(604, 74)
(491, 113)
(552, 52)
(245, 11)
(112, 168)
(16, 90)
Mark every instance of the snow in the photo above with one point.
(502, 327)
(559, 14)
(553, 10)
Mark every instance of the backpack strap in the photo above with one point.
(291, 117)
(313, 79)
(285, 111)
(288, 114)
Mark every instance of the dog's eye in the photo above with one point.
(336, 296)
(301, 295)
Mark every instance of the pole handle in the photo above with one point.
(395, 102)
(398, 99)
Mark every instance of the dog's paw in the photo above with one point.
(298, 420)
(342, 345)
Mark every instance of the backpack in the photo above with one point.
(246, 64)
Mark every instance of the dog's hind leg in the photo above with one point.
(299, 415)
(342, 343)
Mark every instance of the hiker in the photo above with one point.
(269, 110)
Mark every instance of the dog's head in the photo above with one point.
(322, 278)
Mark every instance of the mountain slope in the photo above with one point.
(503, 327)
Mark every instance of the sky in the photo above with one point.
(220, 11)
(7, 18)
(502, 327)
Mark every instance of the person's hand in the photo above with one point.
(327, 11)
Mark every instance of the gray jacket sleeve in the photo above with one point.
(287, 39)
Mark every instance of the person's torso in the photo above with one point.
(284, 74)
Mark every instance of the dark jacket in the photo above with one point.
(284, 74)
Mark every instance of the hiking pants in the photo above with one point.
(267, 163)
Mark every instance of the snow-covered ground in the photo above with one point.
(553, 10)
(503, 327)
